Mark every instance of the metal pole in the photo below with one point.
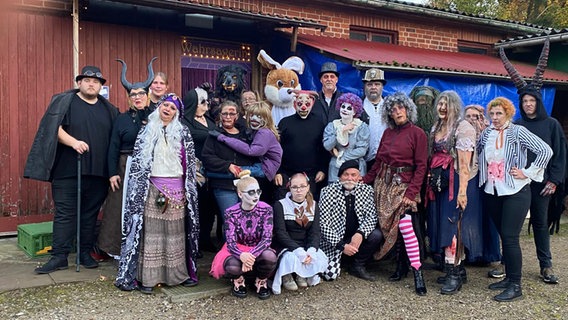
(78, 259)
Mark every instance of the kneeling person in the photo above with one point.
(348, 223)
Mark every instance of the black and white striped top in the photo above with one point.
(518, 140)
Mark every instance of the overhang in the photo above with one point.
(366, 54)
(215, 10)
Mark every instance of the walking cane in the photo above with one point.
(78, 259)
(459, 242)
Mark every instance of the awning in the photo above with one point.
(400, 58)
(217, 10)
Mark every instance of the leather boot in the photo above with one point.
(419, 285)
(401, 270)
(463, 274)
(453, 282)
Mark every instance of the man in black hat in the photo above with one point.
(348, 219)
(373, 85)
(77, 122)
(324, 107)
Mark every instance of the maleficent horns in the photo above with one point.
(137, 85)
(518, 80)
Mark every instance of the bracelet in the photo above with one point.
(461, 195)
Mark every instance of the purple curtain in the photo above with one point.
(192, 78)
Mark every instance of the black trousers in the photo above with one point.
(368, 247)
(64, 191)
(539, 222)
(509, 213)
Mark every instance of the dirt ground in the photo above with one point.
(346, 298)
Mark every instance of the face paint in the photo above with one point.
(346, 112)
(250, 196)
(303, 105)
(256, 122)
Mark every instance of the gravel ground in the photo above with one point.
(346, 298)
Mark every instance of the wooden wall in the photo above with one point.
(37, 62)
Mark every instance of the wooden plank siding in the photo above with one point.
(36, 63)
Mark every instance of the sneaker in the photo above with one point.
(87, 261)
(498, 272)
(262, 289)
(288, 283)
(54, 264)
(547, 275)
(301, 281)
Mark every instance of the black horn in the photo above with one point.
(127, 85)
(150, 79)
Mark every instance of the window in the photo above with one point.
(474, 47)
(373, 35)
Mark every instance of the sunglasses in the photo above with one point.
(90, 73)
(137, 94)
(253, 192)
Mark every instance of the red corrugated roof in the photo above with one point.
(392, 56)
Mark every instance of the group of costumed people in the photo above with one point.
(296, 203)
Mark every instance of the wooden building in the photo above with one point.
(48, 41)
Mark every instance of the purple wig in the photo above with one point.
(352, 99)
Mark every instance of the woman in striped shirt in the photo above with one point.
(502, 151)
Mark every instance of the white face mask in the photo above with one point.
(256, 122)
(347, 112)
(250, 196)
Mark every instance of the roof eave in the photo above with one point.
(507, 44)
(454, 16)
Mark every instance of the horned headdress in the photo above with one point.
(137, 85)
(536, 82)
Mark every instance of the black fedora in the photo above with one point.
(91, 72)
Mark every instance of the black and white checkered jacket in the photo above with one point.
(332, 220)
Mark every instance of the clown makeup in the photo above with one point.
(346, 112)
(250, 195)
(303, 104)
(256, 122)
(168, 111)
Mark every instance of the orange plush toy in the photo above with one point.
(281, 81)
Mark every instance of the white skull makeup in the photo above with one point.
(250, 196)
(346, 112)
(303, 104)
(256, 122)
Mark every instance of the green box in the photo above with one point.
(34, 238)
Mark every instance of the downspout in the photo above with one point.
(75, 17)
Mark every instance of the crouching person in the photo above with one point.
(248, 230)
(348, 223)
(297, 236)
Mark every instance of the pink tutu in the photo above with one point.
(217, 266)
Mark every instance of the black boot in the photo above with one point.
(453, 281)
(463, 274)
(419, 285)
(401, 269)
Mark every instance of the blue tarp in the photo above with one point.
(472, 90)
